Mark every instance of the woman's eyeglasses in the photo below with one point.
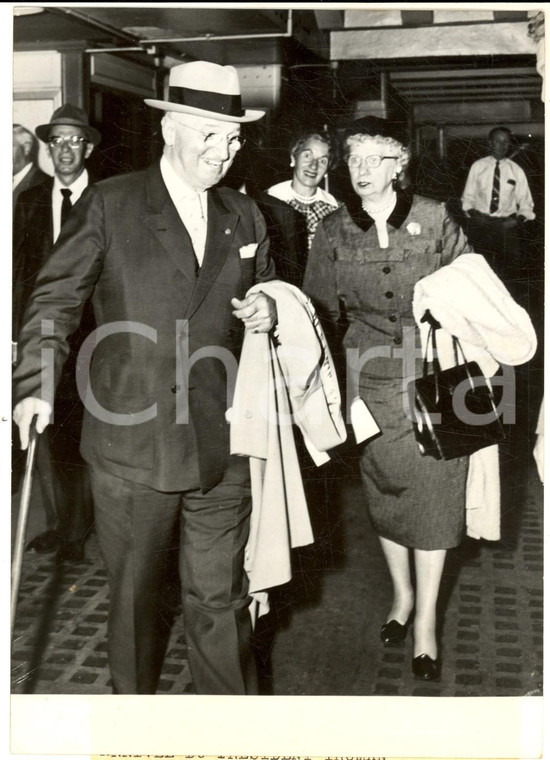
(73, 141)
(373, 162)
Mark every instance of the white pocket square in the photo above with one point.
(248, 251)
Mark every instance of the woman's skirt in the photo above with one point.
(413, 500)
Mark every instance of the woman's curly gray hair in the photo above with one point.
(381, 130)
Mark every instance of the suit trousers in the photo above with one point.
(138, 528)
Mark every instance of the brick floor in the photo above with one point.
(63, 651)
(491, 611)
(321, 636)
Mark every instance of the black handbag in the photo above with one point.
(454, 411)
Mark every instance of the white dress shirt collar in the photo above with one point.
(176, 186)
(77, 188)
(191, 205)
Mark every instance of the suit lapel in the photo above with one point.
(221, 229)
(164, 222)
(46, 189)
(28, 181)
(25, 184)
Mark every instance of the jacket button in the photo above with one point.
(386, 270)
(392, 318)
(397, 340)
(389, 294)
(175, 388)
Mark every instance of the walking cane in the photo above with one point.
(22, 519)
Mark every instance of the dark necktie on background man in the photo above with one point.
(495, 195)
(66, 205)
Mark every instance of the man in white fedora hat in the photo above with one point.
(167, 259)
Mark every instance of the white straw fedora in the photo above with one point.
(205, 89)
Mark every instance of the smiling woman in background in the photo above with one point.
(311, 156)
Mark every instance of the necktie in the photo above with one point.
(496, 189)
(66, 206)
(196, 226)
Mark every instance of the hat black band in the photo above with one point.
(228, 105)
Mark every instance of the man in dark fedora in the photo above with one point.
(168, 259)
(40, 211)
(39, 215)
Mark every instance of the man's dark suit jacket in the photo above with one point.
(32, 244)
(287, 230)
(33, 177)
(125, 246)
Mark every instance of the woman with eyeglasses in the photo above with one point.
(311, 156)
(365, 260)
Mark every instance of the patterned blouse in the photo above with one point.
(323, 203)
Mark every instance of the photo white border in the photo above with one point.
(63, 725)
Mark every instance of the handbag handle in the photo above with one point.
(435, 325)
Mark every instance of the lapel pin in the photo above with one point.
(227, 231)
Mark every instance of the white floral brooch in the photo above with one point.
(414, 228)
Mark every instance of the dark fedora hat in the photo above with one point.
(203, 88)
(71, 116)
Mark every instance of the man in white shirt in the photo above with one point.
(498, 202)
(40, 213)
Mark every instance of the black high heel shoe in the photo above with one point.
(426, 669)
(393, 634)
